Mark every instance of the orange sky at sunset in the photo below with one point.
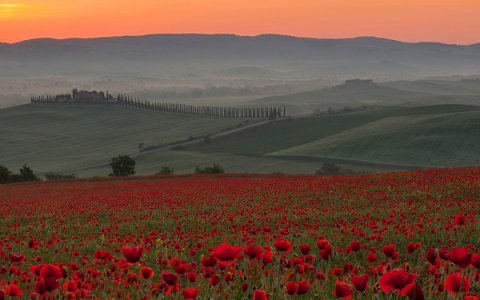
(451, 21)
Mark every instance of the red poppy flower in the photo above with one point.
(475, 261)
(305, 249)
(16, 257)
(46, 284)
(50, 271)
(209, 261)
(225, 252)
(343, 290)
(214, 280)
(13, 290)
(260, 295)
(147, 272)
(325, 247)
(192, 276)
(253, 251)
(360, 282)
(292, 287)
(431, 256)
(372, 257)
(70, 286)
(283, 245)
(389, 250)
(415, 292)
(132, 254)
(303, 287)
(397, 280)
(460, 256)
(169, 277)
(354, 246)
(190, 293)
(459, 220)
(455, 283)
(102, 255)
(267, 257)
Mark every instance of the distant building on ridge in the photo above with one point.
(91, 97)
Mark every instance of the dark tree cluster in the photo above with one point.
(215, 169)
(122, 165)
(26, 174)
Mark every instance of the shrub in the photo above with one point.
(122, 165)
(26, 174)
(50, 176)
(215, 169)
(4, 174)
(329, 168)
(165, 170)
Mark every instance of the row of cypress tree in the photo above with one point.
(271, 112)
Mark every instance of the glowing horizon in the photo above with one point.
(445, 21)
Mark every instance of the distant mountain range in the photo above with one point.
(264, 55)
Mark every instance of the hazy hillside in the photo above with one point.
(186, 66)
(420, 92)
(160, 54)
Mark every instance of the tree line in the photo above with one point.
(214, 111)
(26, 174)
(271, 112)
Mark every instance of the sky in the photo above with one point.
(447, 21)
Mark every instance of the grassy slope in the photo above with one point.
(344, 94)
(245, 152)
(184, 162)
(63, 136)
(428, 140)
(57, 137)
(293, 132)
(389, 93)
(437, 87)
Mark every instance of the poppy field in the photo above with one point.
(401, 235)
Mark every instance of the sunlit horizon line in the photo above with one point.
(10, 4)
(239, 35)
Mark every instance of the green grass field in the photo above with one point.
(58, 137)
(441, 135)
(298, 131)
(429, 140)
(65, 137)
(184, 162)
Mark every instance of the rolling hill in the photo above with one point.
(59, 137)
(356, 93)
(425, 140)
(66, 137)
(394, 137)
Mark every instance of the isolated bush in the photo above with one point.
(164, 170)
(50, 176)
(4, 174)
(215, 169)
(329, 169)
(26, 174)
(122, 165)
